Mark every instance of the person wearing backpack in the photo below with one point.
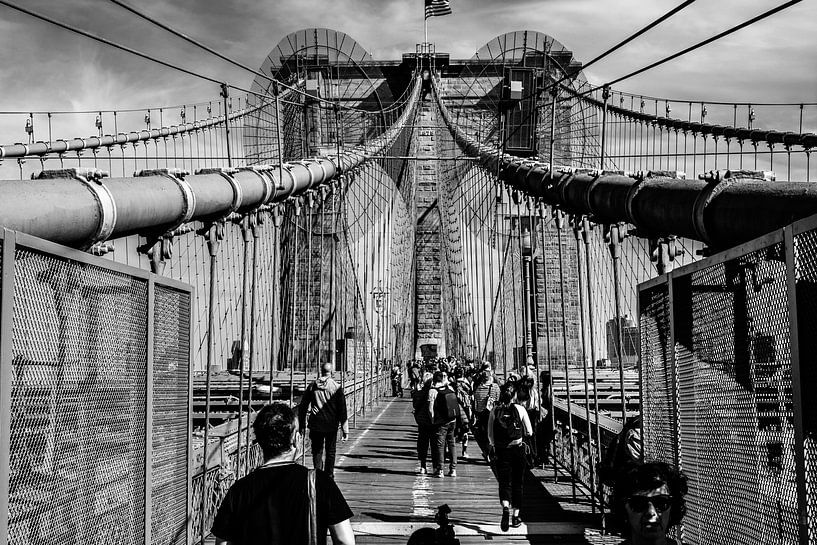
(508, 425)
(444, 410)
(425, 427)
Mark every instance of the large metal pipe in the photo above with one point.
(726, 209)
(78, 207)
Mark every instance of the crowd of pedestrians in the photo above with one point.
(452, 401)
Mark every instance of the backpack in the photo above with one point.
(446, 407)
(419, 401)
(507, 425)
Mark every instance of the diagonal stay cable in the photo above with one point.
(212, 51)
(121, 47)
(622, 43)
(192, 41)
(689, 49)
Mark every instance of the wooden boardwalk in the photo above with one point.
(377, 470)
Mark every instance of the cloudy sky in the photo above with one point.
(46, 68)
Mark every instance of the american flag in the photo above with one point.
(435, 8)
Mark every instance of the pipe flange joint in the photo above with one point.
(629, 209)
(715, 186)
(177, 175)
(92, 179)
(306, 165)
(227, 174)
(588, 201)
(262, 172)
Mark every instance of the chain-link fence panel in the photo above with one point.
(171, 398)
(77, 440)
(83, 456)
(658, 394)
(735, 414)
(805, 263)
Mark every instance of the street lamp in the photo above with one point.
(379, 297)
(527, 255)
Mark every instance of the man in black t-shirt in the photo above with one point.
(270, 506)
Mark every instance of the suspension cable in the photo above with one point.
(708, 41)
(622, 43)
(212, 51)
(749, 22)
(192, 41)
(121, 47)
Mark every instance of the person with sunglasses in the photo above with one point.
(648, 501)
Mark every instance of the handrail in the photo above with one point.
(788, 139)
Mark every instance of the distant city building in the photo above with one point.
(629, 341)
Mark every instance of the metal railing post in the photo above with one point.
(582, 303)
(214, 236)
(615, 253)
(559, 228)
(255, 227)
(585, 232)
(605, 95)
(797, 387)
(225, 92)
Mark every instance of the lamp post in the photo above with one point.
(527, 254)
(379, 297)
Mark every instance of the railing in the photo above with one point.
(210, 486)
(726, 353)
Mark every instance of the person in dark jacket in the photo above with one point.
(323, 410)
(271, 503)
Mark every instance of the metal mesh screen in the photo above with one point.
(171, 357)
(735, 402)
(658, 395)
(77, 441)
(806, 278)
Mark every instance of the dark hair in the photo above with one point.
(438, 376)
(649, 476)
(274, 425)
(506, 393)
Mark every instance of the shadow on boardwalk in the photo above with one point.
(377, 470)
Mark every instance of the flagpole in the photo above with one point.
(425, 26)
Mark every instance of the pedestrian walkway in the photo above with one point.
(377, 472)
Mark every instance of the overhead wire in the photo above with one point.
(579, 94)
(624, 42)
(125, 48)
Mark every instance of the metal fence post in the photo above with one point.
(255, 227)
(797, 387)
(213, 238)
(7, 266)
(615, 253)
(577, 227)
(559, 228)
(149, 408)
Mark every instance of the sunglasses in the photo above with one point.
(640, 504)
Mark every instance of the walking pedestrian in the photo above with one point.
(323, 411)
(508, 425)
(486, 393)
(425, 427)
(444, 410)
(282, 501)
(396, 380)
